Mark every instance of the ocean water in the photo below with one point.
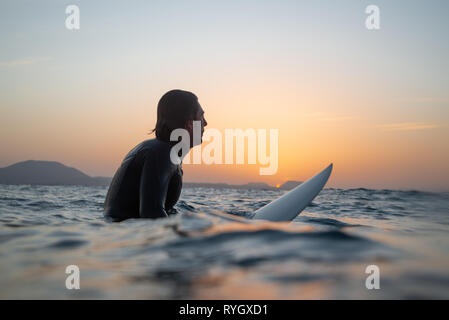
(202, 254)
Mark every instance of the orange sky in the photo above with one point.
(364, 151)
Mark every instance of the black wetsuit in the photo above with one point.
(147, 184)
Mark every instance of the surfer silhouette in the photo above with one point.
(148, 183)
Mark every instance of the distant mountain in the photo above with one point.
(47, 173)
(290, 185)
(55, 173)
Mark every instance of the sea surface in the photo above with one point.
(210, 250)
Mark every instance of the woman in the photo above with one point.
(148, 183)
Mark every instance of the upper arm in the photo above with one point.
(154, 181)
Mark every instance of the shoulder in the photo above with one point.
(155, 150)
(154, 146)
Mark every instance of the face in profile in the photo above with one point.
(199, 117)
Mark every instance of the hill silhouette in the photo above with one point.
(47, 173)
(55, 173)
(290, 185)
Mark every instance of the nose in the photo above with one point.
(205, 122)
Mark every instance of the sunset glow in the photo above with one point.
(374, 103)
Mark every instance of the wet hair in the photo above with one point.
(173, 110)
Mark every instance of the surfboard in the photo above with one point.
(290, 205)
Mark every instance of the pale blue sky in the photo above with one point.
(159, 37)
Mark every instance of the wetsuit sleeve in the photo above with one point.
(154, 181)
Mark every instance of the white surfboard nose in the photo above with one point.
(290, 205)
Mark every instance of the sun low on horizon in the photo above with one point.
(375, 103)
